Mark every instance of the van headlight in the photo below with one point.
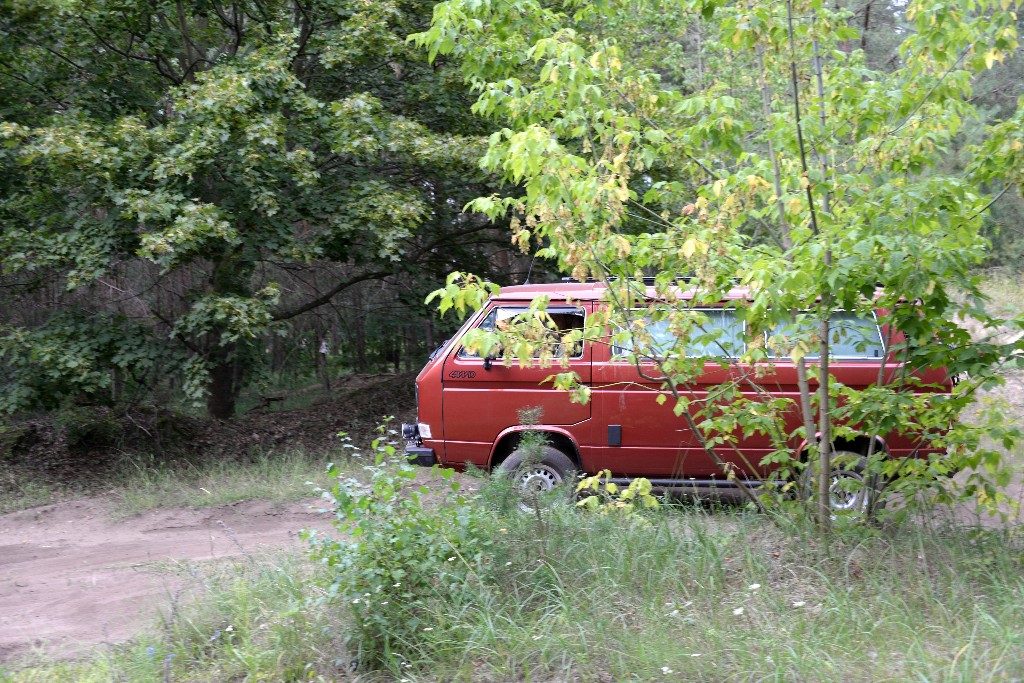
(415, 432)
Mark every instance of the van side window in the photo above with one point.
(564, 318)
(852, 337)
(722, 335)
(717, 333)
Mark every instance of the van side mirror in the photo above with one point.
(488, 361)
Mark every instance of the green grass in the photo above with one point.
(244, 621)
(302, 393)
(145, 483)
(706, 597)
(22, 492)
(681, 594)
(141, 481)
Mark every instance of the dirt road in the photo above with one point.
(71, 577)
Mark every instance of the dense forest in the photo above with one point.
(199, 196)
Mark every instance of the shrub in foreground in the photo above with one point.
(405, 547)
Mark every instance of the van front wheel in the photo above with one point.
(537, 472)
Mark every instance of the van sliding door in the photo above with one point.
(645, 438)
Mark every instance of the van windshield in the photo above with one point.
(563, 319)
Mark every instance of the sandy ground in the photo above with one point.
(72, 577)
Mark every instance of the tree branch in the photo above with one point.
(330, 294)
(18, 77)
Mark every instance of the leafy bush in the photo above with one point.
(609, 497)
(405, 548)
(416, 550)
(77, 357)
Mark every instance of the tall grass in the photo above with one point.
(683, 593)
(145, 482)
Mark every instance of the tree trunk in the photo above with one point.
(230, 276)
(825, 417)
(222, 389)
(359, 331)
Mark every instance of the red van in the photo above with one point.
(467, 406)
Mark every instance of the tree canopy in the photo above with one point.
(170, 168)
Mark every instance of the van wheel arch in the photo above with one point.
(560, 442)
(858, 444)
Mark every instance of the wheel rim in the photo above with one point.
(538, 479)
(533, 482)
(847, 491)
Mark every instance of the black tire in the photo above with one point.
(851, 490)
(537, 474)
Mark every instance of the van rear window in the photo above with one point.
(852, 337)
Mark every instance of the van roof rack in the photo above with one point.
(648, 280)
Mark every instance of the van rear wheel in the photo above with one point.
(536, 473)
(850, 488)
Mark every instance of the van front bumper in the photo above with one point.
(420, 455)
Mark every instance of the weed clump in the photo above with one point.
(406, 547)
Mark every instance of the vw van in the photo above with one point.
(468, 406)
